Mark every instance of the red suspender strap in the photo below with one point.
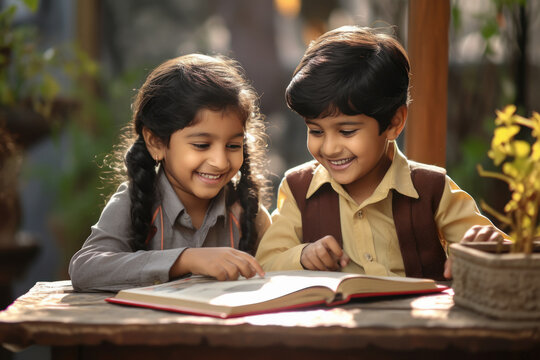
(231, 234)
(153, 229)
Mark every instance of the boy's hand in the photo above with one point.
(477, 233)
(223, 263)
(324, 254)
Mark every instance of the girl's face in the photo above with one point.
(203, 157)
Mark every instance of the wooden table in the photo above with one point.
(84, 326)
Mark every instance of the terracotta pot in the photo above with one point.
(500, 285)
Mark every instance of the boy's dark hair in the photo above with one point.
(351, 70)
(169, 100)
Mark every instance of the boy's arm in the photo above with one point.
(457, 213)
(281, 246)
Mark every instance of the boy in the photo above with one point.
(361, 206)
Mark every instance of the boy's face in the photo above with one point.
(350, 148)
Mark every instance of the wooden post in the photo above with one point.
(425, 134)
(88, 25)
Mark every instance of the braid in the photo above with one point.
(142, 178)
(248, 195)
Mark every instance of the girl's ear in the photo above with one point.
(154, 144)
(398, 123)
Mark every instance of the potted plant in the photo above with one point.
(503, 280)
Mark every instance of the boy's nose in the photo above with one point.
(330, 146)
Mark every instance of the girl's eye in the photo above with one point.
(235, 146)
(315, 132)
(347, 132)
(201, 146)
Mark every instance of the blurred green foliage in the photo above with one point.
(32, 78)
(32, 81)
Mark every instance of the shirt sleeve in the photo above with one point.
(107, 260)
(457, 213)
(281, 246)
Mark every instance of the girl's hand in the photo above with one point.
(324, 254)
(223, 263)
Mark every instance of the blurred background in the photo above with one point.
(69, 71)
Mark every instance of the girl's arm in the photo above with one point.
(107, 261)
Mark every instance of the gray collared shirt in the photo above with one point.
(107, 261)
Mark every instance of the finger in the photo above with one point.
(470, 235)
(344, 260)
(243, 267)
(255, 266)
(309, 265)
(316, 261)
(231, 269)
(311, 254)
(220, 273)
(309, 259)
(484, 234)
(248, 266)
(448, 269)
(332, 245)
(306, 263)
(496, 237)
(328, 259)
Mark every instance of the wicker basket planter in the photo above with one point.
(504, 285)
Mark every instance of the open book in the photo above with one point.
(278, 290)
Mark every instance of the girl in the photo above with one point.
(194, 171)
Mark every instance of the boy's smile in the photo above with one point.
(352, 150)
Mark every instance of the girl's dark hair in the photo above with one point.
(351, 70)
(168, 101)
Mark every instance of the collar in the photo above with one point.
(397, 177)
(173, 206)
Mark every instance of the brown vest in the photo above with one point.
(418, 235)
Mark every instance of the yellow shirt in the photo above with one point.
(368, 230)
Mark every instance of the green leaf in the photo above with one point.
(31, 4)
(490, 29)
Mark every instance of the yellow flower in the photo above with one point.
(506, 116)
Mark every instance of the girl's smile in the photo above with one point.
(203, 157)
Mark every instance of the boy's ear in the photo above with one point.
(154, 144)
(398, 123)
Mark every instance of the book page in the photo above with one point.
(243, 291)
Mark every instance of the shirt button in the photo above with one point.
(368, 257)
(360, 214)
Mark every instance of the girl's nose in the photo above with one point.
(219, 159)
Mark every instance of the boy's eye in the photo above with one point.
(315, 132)
(201, 146)
(347, 132)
